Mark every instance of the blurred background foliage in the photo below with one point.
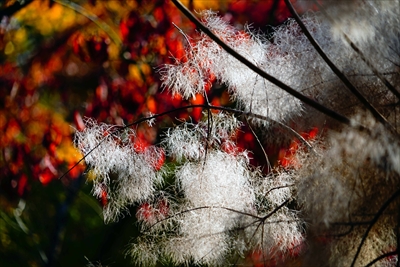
(62, 61)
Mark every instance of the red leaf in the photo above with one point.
(22, 183)
(46, 176)
(78, 121)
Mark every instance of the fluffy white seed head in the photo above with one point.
(122, 175)
(221, 201)
(252, 92)
(190, 141)
(210, 194)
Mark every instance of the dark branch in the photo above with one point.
(206, 207)
(275, 210)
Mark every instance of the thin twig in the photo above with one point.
(201, 208)
(101, 24)
(275, 210)
(261, 146)
(278, 187)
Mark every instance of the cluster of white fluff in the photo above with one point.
(218, 183)
(191, 141)
(226, 205)
(125, 176)
(252, 92)
(280, 230)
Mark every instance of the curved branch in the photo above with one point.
(261, 146)
(205, 207)
(101, 24)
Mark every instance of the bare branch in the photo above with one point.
(101, 24)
